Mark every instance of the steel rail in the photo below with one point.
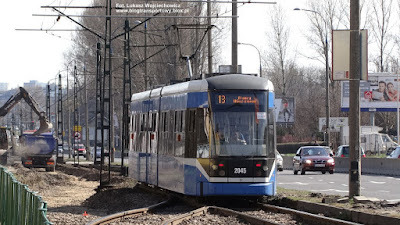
(308, 217)
(218, 211)
(126, 214)
(191, 214)
(298, 215)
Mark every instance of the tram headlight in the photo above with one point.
(214, 167)
(221, 173)
(265, 167)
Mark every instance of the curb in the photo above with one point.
(340, 213)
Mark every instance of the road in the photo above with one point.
(381, 187)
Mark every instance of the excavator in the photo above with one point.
(45, 125)
(5, 134)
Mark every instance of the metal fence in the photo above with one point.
(18, 204)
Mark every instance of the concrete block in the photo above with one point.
(363, 199)
(343, 200)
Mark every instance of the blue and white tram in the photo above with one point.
(209, 137)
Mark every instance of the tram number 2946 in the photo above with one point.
(239, 170)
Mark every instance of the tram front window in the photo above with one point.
(240, 125)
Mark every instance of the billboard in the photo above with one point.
(284, 109)
(341, 54)
(379, 93)
(335, 123)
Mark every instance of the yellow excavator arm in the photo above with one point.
(45, 125)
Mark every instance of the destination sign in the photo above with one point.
(223, 99)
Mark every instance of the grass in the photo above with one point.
(299, 195)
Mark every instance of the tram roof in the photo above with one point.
(221, 82)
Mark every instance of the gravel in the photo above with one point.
(275, 217)
(72, 198)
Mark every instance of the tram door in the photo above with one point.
(143, 154)
(152, 161)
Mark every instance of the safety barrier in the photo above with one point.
(18, 204)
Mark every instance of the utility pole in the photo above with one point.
(48, 102)
(60, 128)
(354, 116)
(86, 113)
(75, 129)
(234, 37)
(209, 36)
(126, 95)
(107, 98)
(146, 78)
(99, 112)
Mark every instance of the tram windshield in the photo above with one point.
(242, 124)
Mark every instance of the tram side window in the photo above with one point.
(177, 120)
(154, 120)
(271, 135)
(202, 147)
(200, 129)
(133, 123)
(143, 122)
(164, 122)
(191, 120)
(171, 134)
(135, 130)
(190, 135)
(182, 121)
(132, 128)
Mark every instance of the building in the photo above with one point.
(3, 87)
(34, 84)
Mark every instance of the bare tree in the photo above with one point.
(381, 31)
(343, 14)
(278, 60)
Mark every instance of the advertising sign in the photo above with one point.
(379, 93)
(284, 109)
(341, 54)
(335, 123)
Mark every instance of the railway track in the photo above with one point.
(172, 213)
(127, 214)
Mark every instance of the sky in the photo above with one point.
(39, 55)
(253, 23)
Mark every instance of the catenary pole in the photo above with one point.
(354, 116)
(234, 37)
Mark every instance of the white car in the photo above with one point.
(395, 154)
(279, 161)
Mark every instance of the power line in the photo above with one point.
(125, 17)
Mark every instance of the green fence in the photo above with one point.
(18, 204)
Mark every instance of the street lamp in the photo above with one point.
(327, 140)
(259, 55)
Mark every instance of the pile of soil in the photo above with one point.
(73, 195)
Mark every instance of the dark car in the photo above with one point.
(343, 151)
(313, 158)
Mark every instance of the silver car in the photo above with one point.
(395, 154)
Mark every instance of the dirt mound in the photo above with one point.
(116, 200)
(39, 179)
(90, 174)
